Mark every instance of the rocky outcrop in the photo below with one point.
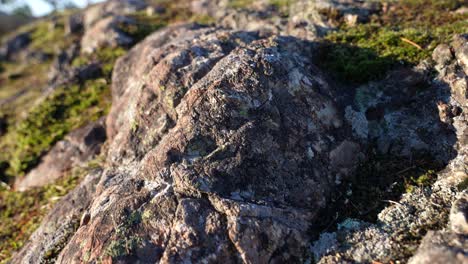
(75, 150)
(306, 19)
(228, 145)
(396, 234)
(13, 45)
(219, 151)
(102, 24)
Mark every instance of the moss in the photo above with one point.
(22, 212)
(379, 179)
(203, 19)
(239, 3)
(66, 109)
(106, 57)
(122, 247)
(143, 26)
(367, 51)
(463, 185)
(48, 36)
(125, 243)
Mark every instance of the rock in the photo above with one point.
(312, 19)
(60, 71)
(454, 70)
(110, 8)
(460, 45)
(74, 24)
(14, 45)
(442, 54)
(106, 33)
(209, 133)
(78, 147)
(459, 215)
(440, 248)
(59, 224)
(250, 16)
(460, 90)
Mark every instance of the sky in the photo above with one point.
(40, 7)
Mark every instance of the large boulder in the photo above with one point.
(219, 151)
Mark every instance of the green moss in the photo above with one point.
(239, 3)
(22, 212)
(125, 243)
(123, 247)
(49, 37)
(367, 51)
(106, 57)
(463, 185)
(143, 26)
(203, 19)
(66, 109)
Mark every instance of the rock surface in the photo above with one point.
(78, 147)
(425, 208)
(209, 132)
(227, 144)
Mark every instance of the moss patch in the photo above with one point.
(66, 109)
(367, 51)
(22, 212)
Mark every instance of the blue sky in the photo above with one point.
(40, 7)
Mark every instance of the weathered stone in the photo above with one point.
(106, 33)
(78, 147)
(74, 24)
(442, 54)
(14, 45)
(459, 215)
(209, 158)
(110, 8)
(441, 247)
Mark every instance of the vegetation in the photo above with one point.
(381, 179)
(67, 108)
(405, 36)
(21, 212)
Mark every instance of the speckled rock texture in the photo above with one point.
(440, 210)
(225, 145)
(219, 150)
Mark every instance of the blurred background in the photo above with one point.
(38, 8)
(14, 13)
